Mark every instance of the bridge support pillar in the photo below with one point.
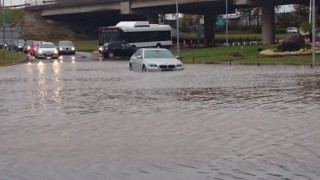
(153, 18)
(268, 21)
(209, 27)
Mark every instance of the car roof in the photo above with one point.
(46, 43)
(162, 49)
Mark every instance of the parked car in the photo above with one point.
(117, 48)
(66, 47)
(27, 46)
(292, 30)
(155, 59)
(33, 47)
(46, 50)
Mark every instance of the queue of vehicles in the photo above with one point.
(41, 49)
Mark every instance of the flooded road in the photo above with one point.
(88, 118)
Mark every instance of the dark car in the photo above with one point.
(117, 48)
(66, 47)
(20, 44)
(27, 46)
(16, 45)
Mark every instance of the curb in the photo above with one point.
(19, 61)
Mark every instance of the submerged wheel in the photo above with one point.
(130, 67)
(111, 55)
(144, 68)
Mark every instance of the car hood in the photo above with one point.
(159, 61)
(48, 49)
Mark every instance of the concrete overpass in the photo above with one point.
(151, 8)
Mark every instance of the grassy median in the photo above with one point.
(10, 57)
(240, 54)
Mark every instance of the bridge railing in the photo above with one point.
(48, 4)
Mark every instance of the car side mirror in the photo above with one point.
(177, 57)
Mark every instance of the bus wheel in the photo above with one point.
(158, 46)
(111, 55)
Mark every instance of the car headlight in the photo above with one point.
(56, 51)
(19, 46)
(60, 49)
(100, 48)
(40, 51)
(152, 65)
(72, 48)
(179, 65)
(28, 47)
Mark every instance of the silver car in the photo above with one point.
(155, 59)
(66, 47)
(46, 50)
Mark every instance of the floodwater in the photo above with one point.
(92, 119)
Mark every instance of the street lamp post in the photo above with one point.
(3, 28)
(178, 38)
(227, 31)
(313, 33)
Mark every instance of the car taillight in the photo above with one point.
(106, 48)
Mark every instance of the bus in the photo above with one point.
(137, 33)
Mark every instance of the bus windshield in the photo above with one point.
(108, 35)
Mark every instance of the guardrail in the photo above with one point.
(49, 4)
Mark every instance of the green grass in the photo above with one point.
(245, 55)
(10, 15)
(86, 45)
(10, 57)
(236, 37)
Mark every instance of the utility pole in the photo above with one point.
(313, 33)
(3, 23)
(178, 37)
(3, 55)
(227, 29)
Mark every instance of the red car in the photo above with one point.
(33, 47)
(27, 46)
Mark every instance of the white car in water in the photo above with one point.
(46, 50)
(155, 59)
(292, 30)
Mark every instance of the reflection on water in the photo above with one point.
(108, 87)
(57, 85)
(42, 84)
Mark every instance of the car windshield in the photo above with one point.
(21, 42)
(158, 54)
(65, 43)
(28, 42)
(47, 46)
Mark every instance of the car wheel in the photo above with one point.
(111, 55)
(144, 68)
(130, 67)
